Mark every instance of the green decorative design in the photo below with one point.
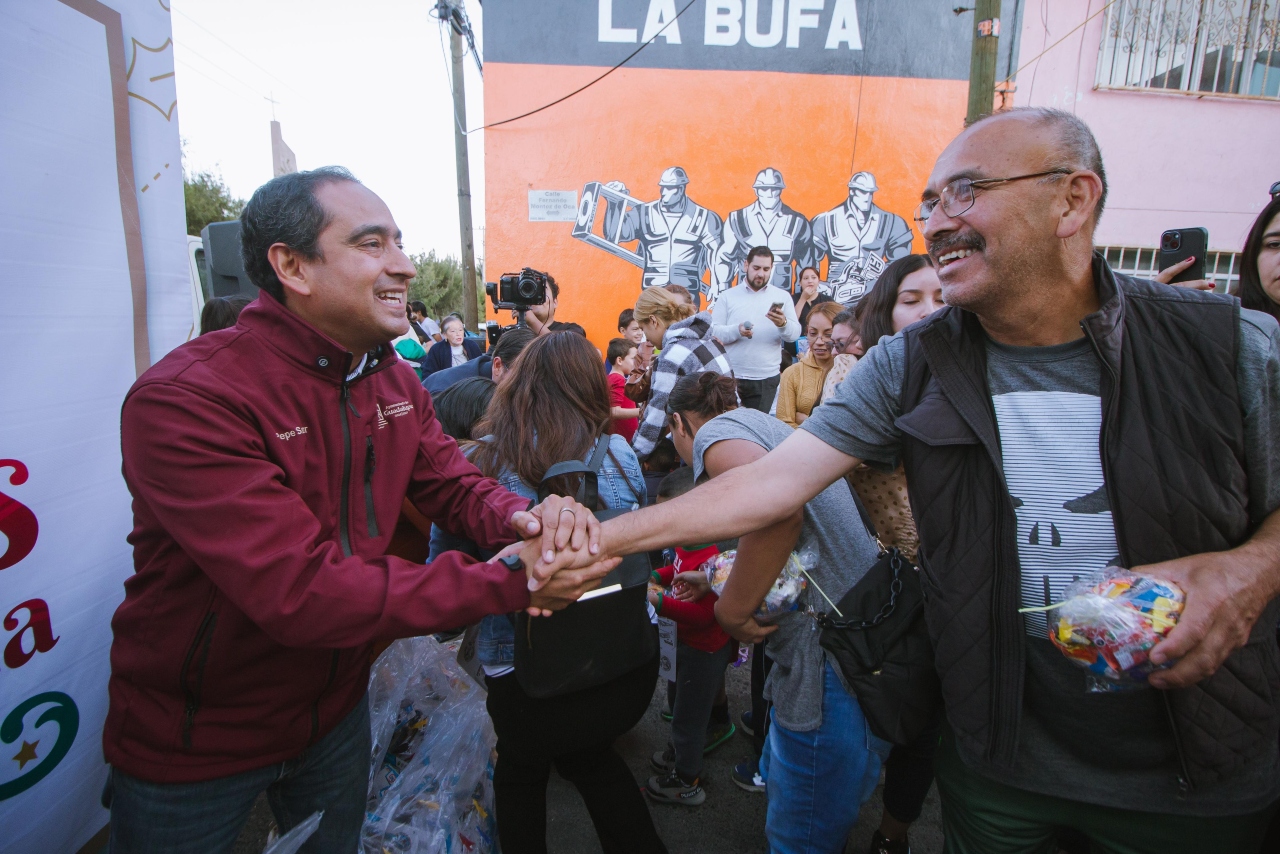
(67, 717)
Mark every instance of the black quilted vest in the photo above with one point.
(1172, 449)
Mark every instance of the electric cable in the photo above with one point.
(561, 100)
(233, 48)
(1024, 65)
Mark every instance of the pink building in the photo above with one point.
(1184, 98)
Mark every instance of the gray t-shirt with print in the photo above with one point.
(1114, 749)
(845, 551)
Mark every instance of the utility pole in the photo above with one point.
(451, 13)
(982, 62)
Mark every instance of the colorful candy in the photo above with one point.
(784, 596)
(1109, 627)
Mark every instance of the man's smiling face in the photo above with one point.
(996, 244)
(359, 283)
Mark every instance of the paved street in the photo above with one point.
(730, 822)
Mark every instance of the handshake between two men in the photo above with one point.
(559, 556)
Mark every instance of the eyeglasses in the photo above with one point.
(958, 196)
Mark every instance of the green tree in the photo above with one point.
(439, 285)
(208, 200)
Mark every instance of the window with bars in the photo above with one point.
(1223, 47)
(1222, 267)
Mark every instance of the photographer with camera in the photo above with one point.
(531, 297)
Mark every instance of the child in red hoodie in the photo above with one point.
(700, 710)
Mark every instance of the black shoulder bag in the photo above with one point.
(594, 641)
(882, 646)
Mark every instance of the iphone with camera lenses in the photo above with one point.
(1179, 244)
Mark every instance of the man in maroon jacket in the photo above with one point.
(267, 464)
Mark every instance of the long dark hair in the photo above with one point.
(1251, 293)
(552, 407)
(875, 311)
(222, 312)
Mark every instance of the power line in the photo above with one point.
(1024, 66)
(233, 49)
(212, 80)
(186, 49)
(561, 100)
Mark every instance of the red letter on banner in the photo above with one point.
(41, 632)
(17, 522)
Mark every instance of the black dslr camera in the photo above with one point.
(518, 291)
(515, 292)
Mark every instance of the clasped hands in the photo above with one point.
(560, 552)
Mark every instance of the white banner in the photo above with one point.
(94, 284)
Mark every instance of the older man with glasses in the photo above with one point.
(1055, 419)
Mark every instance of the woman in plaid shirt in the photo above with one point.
(684, 338)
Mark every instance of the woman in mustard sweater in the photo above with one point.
(801, 387)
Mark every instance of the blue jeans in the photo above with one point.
(818, 780)
(206, 817)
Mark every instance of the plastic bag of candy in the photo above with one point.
(431, 772)
(1110, 626)
(784, 596)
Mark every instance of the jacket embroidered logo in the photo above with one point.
(296, 431)
(397, 410)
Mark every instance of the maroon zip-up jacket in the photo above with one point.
(265, 492)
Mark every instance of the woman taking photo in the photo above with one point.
(820, 761)
(801, 387)
(684, 337)
(456, 348)
(555, 407)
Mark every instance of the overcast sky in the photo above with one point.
(358, 83)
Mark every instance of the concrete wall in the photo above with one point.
(1172, 160)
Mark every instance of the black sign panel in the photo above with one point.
(887, 38)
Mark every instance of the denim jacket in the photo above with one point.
(621, 487)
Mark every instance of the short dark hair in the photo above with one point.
(757, 251)
(221, 313)
(677, 483)
(815, 270)
(555, 288)
(625, 319)
(619, 348)
(285, 210)
(847, 318)
(461, 406)
(419, 306)
(1077, 145)
(568, 326)
(511, 344)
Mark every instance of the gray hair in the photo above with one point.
(1076, 144)
(285, 210)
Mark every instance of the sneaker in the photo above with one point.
(746, 776)
(718, 734)
(881, 844)
(671, 789)
(748, 724)
(664, 761)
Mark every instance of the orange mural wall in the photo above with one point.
(722, 127)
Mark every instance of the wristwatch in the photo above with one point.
(513, 563)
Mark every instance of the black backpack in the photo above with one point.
(594, 641)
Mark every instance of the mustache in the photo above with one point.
(951, 242)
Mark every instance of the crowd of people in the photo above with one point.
(997, 417)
